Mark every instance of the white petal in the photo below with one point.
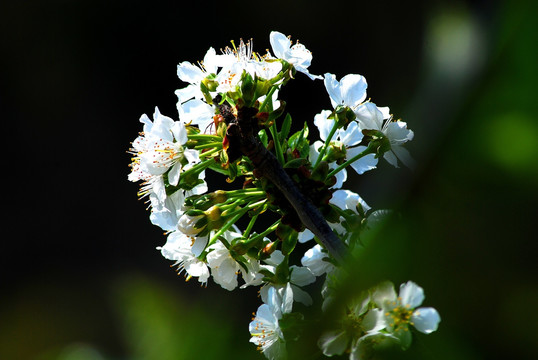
(187, 93)
(398, 133)
(404, 156)
(323, 124)
(305, 236)
(279, 43)
(333, 89)
(369, 116)
(426, 320)
(341, 177)
(351, 136)
(301, 296)
(333, 343)
(197, 112)
(174, 173)
(411, 294)
(301, 276)
(190, 73)
(391, 158)
(353, 89)
(365, 163)
(383, 293)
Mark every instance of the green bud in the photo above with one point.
(194, 212)
(213, 213)
(218, 197)
(336, 151)
(248, 87)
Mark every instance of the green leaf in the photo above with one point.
(285, 129)
(262, 134)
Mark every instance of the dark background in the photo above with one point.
(81, 278)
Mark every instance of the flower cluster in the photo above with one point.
(227, 125)
(377, 318)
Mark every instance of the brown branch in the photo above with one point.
(268, 166)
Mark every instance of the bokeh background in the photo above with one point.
(80, 276)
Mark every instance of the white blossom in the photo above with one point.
(350, 91)
(265, 328)
(371, 117)
(183, 250)
(315, 260)
(297, 55)
(401, 310)
(159, 150)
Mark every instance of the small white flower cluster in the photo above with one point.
(379, 317)
(170, 159)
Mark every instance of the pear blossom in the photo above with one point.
(359, 326)
(244, 59)
(315, 260)
(371, 117)
(348, 140)
(401, 310)
(350, 91)
(297, 55)
(184, 250)
(159, 150)
(299, 277)
(194, 75)
(265, 328)
(197, 112)
(345, 200)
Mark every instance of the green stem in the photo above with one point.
(210, 152)
(250, 226)
(268, 97)
(217, 144)
(369, 150)
(226, 227)
(326, 143)
(269, 230)
(198, 167)
(204, 137)
(246, 208)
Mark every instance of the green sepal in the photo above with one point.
(377, 140)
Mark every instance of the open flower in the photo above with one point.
(299, 276)
(184, 250)
(350, 91)
(346, 141)
(359, 328)
(297, 55)
(265, 328)
(159, 150)
(401, 311)
(371, 117)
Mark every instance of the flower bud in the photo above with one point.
(213, 213)
(189, 224)
(218, 197)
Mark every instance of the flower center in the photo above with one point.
(400, 317)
